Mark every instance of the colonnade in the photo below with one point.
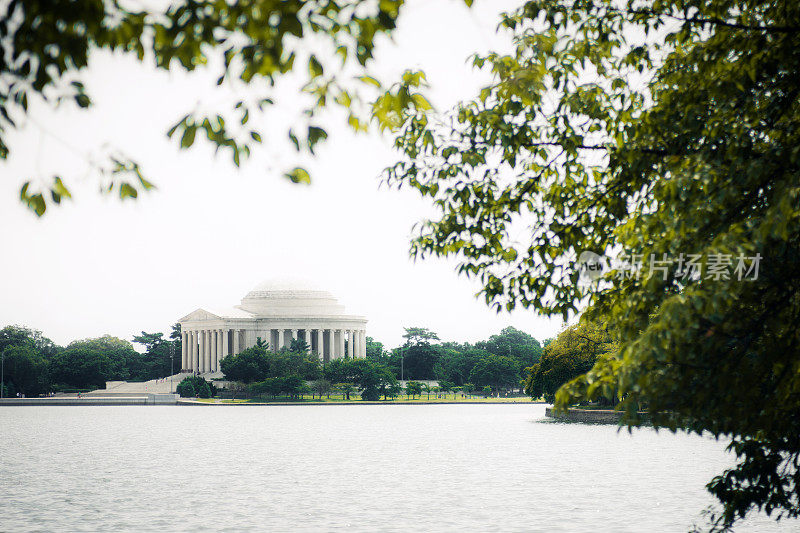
(203, 349)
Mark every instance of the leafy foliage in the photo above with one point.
(22, 336)
(374, 349)
(90, 363)
(291, 385)
(371, 377)
(496, 371)
(573, 353)
(513, 343)
(195, 387)
(650, 130)
(321, 386)
(454, 362)
(417, 336)
(39, 365)
(26, 370)
(257, 364)
(414, 388)
(160, 358)
(45, 45)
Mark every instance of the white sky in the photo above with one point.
(212, 231)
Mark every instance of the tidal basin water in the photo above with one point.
(357, 468)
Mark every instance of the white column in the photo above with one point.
(235, 341)
(279, 344)
(196, 348)
(350, 341)
(203, 349)
(212, 343)
(212, 363)
(192, 344)
(209, 344)
(201, 356)
(307, 338)
(225, 342)
(294, 337)
(195, 351)
(214, 351)
(363, 343)
(249, 338)
(220, 354)
(341, 344)
(220, 346)
(321, 343)
(184, 348)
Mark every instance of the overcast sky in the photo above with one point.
(211, 231)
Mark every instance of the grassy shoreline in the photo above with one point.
(339, 401)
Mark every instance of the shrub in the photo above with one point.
(196, 387)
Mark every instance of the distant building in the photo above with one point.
(277, 312)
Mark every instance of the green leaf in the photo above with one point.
(314, 67)
(298, 175)
(188, 136)
(315, 135)
(127, 191)
(370, 81)
(82, 100)
(295, 140)
(341, 51)
(60, 189)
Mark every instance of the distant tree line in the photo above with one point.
(496, 364)
(34, 365)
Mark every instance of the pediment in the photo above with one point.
(200, 314)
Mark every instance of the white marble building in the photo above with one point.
(276, 312)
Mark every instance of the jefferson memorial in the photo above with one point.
(277, 312)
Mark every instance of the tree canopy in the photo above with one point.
(46, 45)
(663, 136)
(416, 336)
(495, 371)
(571, 354)
(513, 343)
(256, 364)
(35, 365)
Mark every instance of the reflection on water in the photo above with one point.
(362, 468)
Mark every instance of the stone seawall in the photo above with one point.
(592, 416)
(142, 399)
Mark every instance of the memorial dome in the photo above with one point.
(286, 284)
(290, 297)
